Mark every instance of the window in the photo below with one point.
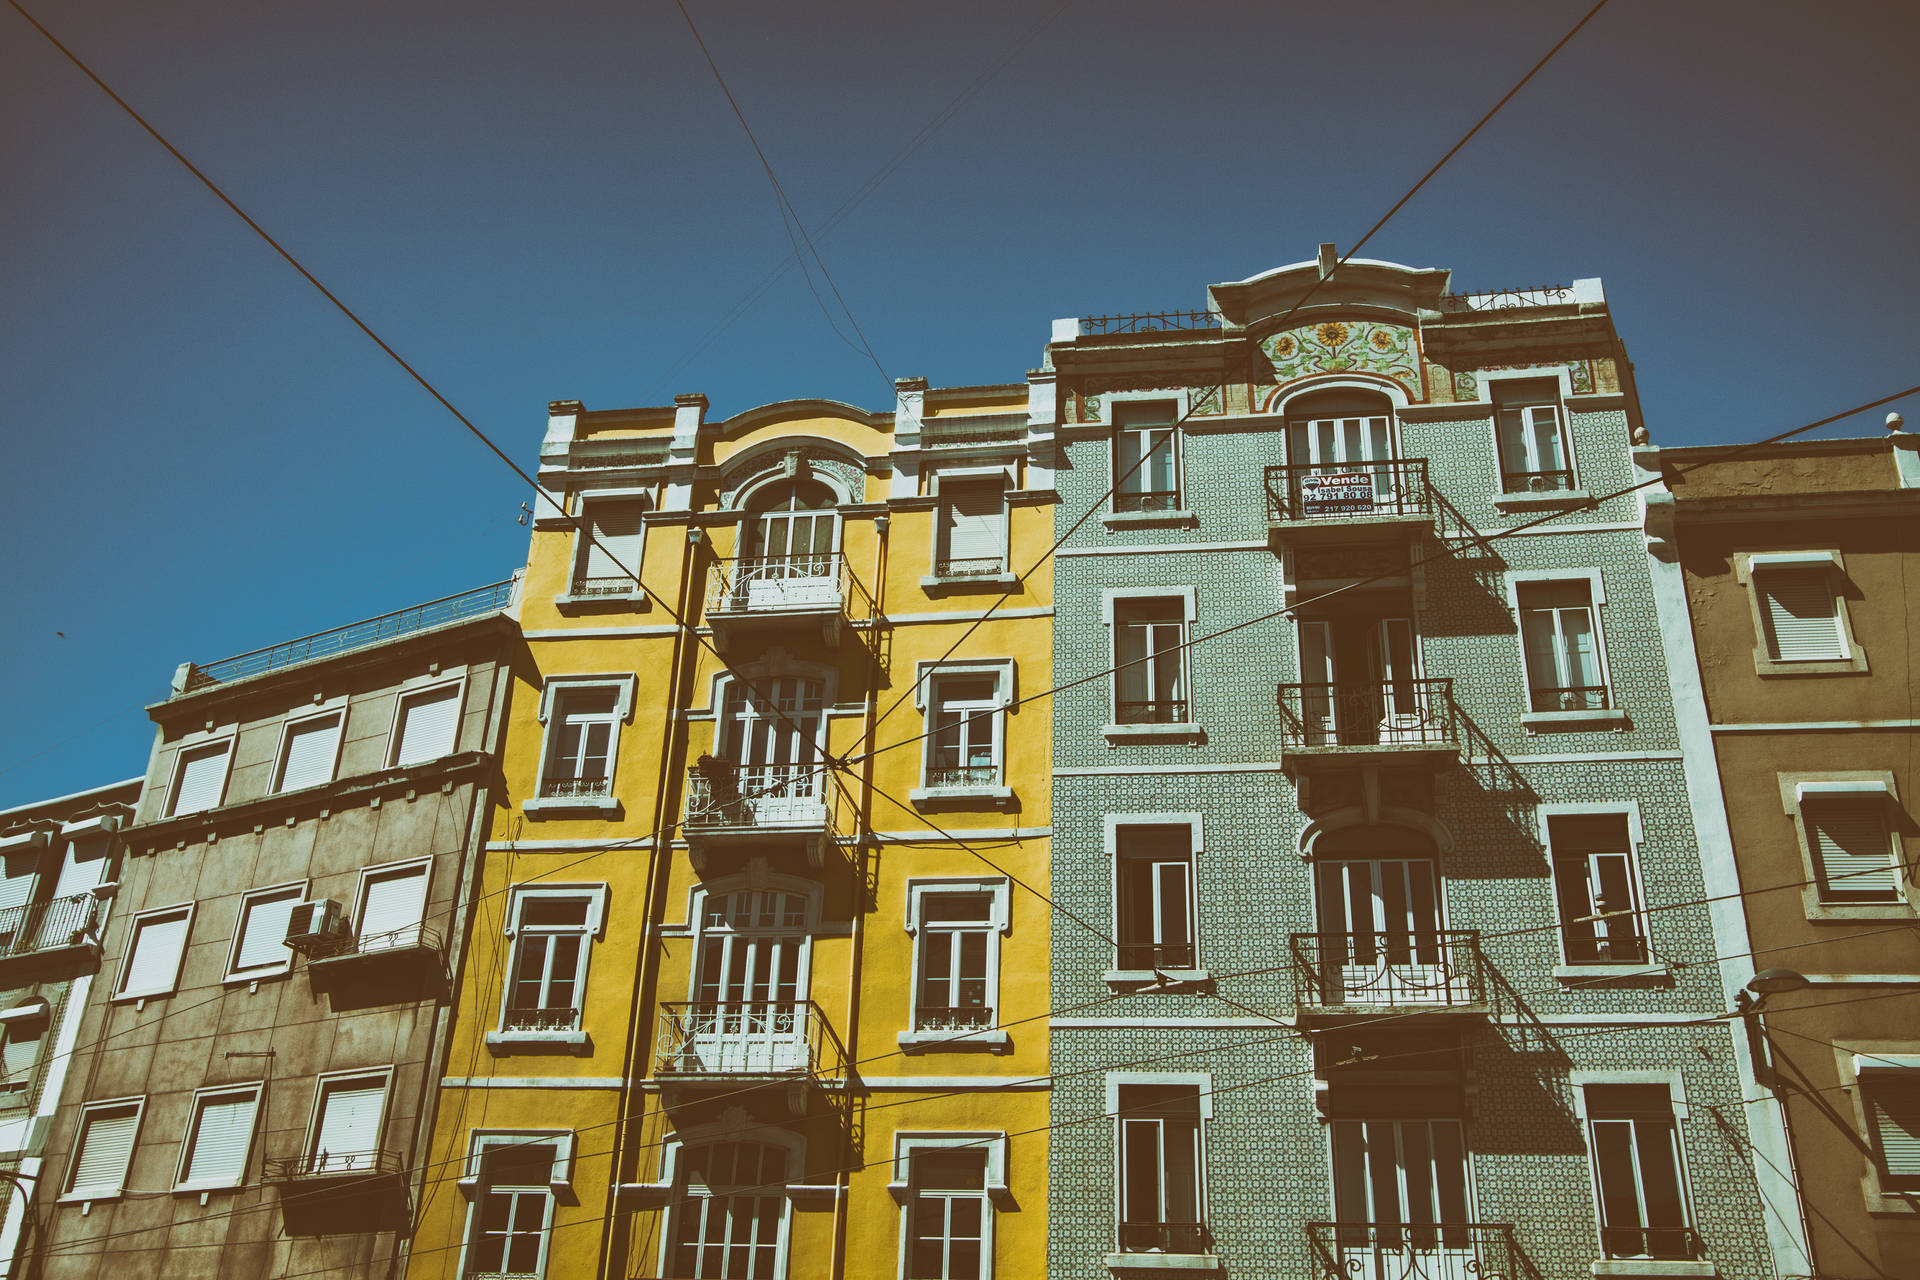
(156, 943)
(1160, 1169)
(392, 906)
(260, 940)
(948, 1219)
(308, 750)
(551, 929)
(580, 757)
(1799, 612)
(1892, 1103)
(219, 1138)
(1597, 888)
(103, 1148)
(1851, 844)
(957, 961)
(19, 875)
(1150, 684)
(963, 749)
(1533, 445)
(345, 1133)
(1154, 887)
(1401, 1192)
(729, 1221)
(606, 563)
(512, 1197)
(1146, 456)
(1637, 1170)
(426, 725)
(22, 1037)
(1562, 647)
(973, 528)
(199, 776)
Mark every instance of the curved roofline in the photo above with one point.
(1359, 282)
(748, 418)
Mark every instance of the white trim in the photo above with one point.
(598, 633)
(1885, 1062)
(469, 1184)
(418, 687)
(999, 921)
(552, 695)
(1185, 594)
(315, 1112)
(334, 709)
(729, 1130)
(194, 1114)
(1675, 1082)
(1855, 786)
(533, 1082)
(1005, 694)
(139, 1104)
(404, 865)
(194, 744)
(1812, 726)
(120, 993)
(955, 615)
(945, 1083)
(1201, 1080)
(1781, 559)
(299, 891)
(993, 1192)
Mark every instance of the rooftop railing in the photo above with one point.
(1395, 1251)
(1544, 295)
(747, 1037)
(388, 626)
(1438, 968)
(1149, 322)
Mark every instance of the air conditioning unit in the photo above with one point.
(317, 928)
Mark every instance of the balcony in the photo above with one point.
(330, 1193)
(782, 595)
(1339, 503)
(1345, 976)
(391, 967)
(730, 808)
(1390, 1251)
(45, 940)
(704, 1045)
(1404, 722)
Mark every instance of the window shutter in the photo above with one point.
(106, 1143)
(1802, 614)
(154, 962)
(16, 883)
(1894, 1111)
(1851, 848)
(349, 1125)
(264, 933)
(202, 774)
(427, 723)
(310, 751)
(391, 910)
(22, 1053)
(616, 532)
(220, 1139)
(975, 524)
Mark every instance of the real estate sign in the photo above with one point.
(1336, 495)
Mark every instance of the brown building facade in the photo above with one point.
(1801, 565)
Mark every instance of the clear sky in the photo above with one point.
(554, 201)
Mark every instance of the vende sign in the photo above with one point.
(1336, 495)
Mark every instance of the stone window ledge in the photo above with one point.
(635, 601)
(961, 797)
(1150, 519)
(503, 1043)
(1545, 501)
(1162, 1262)
(1765, 664)
(1573, 721)
(1131, 978)
(1186, 731)
(573, 806)
(1614, 975)
(1649, 1268)
(994, 1041)
(935, 584)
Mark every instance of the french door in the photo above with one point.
(790, 545)
(1345, 707)
(1400, 1194)
(772, 735)
(749, 979)
(1380, 926)
(1360, 445)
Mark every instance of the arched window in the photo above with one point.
(794, 525)
(1344, 430)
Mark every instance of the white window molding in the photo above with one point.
(1186, 730)
(103, 1149)
(398, 911)
(198, 774)
(929, 677)
(1627, 1135)
(1583, 971)
(617, 519)
(427, 715)
(1872, 795)
(1596, 720)
(1492, 388)
(217, 1144)
(1130, 976)
(564, 1031)
(916, 1196)
(259, 929)
(156, 948)
(996, 920)
(492, 1178)
(685, 1197)
(304, 756)
(554, 696)
(1120, 404)
(1817, 571)
(1869, 1071)
(349, 1109)
(982, 535)
(1175, 1138)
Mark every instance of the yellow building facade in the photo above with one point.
(757, 985)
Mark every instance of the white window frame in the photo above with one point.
(1865, 786)
(937, 549)
(473, 1185)
(552, 695)
(995, 1194)
(1751, 565)
(315, 1113)
(426, 687)
(728, 1132)
(1180, 513)
(999, 922)
(193, 745)
(501, 1039)
(1194, 822)
(403, 866)
(68, 1195)
(185, 910)
(1612, 717)
(1202, 1083)
(1185, 730)
(927, 677)
(191, 1132)
(1562, 378)
(17, 1090)
(335, 710)
(298, 889)
(1675, 1085)
(582, 523)
(1636, 841)
(1858, 1063)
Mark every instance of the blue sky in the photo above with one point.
(557, 203)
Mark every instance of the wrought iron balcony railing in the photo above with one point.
(770, 796)
(407, 938)
(560, 1018)
(1400, 713)
(971, 567)
(1305, 491)
(1156, 955)
(963, 777)
(434, 613)
(1588, 697)
(1626, 945)
(1666, 1244)
(706, 1039)
(1155, 711)
(36, 927)
(1165, 1237)
(931, 1018)
(774, 586)
(1149, 322)
(1543, 295)
(575, 788)
(618, 585)
(1146, 500)
(1535, 481)
(1394, 1251)
(325, 1165)
(1433, 969)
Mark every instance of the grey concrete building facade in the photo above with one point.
(1398, 894)
(59, 869)
(250, 1089)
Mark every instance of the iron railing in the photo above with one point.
(1400, 713)
(1149, 322)
(554, 1019)
(575, 788)
(1165, 1237)
(1667, 1244)
(1545, 295)
(319, 1165)
(747, 1037)
(1582, 697)
(617, 585)
(434, 613)
(1434, 968)
(1535, 481)
(1155, 955)
(772, 796)
(1394, 1251)
(1154, 711)
(1146, 499)
(972, 775)
(49, 926)
(970, 567)
(409, 937)
(774, 585)
(931, 1018)
(1585, 945)
(1343, 491)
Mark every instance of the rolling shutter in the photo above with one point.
(106, 1144)
(391, 907)
(311, 747)
(616, 532)
(153, 963)
(201, 776)
(975, 523)
(22, 1053)
(16, 884)
(1893, 1108)
(1802, 614)
(221, 1137)
(349, 1128)
(263, 932)
(427, 723)
(1851, 848)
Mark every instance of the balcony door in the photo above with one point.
(750, 976)
(1380, 924)
(1344, 433)
(1401, 1197)
(790, 545)
(1362, 681)
(772, 735)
